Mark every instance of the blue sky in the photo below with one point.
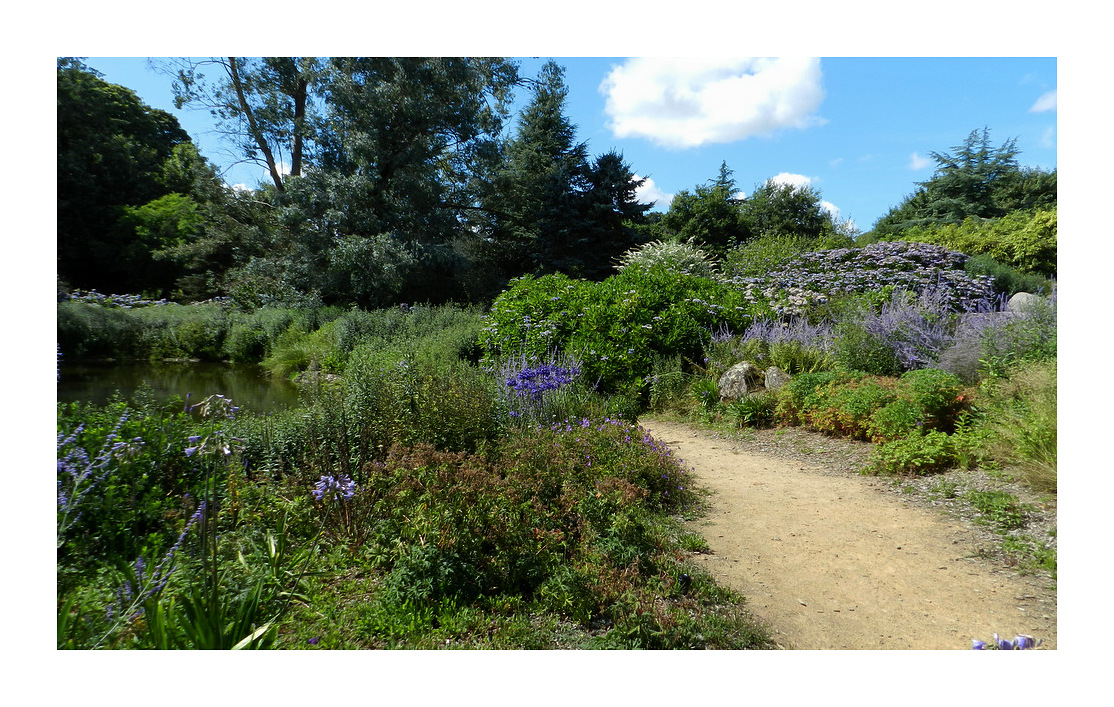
(859, 130)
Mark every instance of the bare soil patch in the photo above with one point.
(831, 559)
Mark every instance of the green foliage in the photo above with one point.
(805, 392)
(855, 347)
(764, 254)
(616, 327)
(916, 455)
(709, 216)
(755, 410)
(91, 331)
(1024, 240)
(1019, 422)
(136, 506)
(999, 508)
(847, 408)
(111, 152)
(975, 180)
(1028, 337)
(1007, 280)
(789, 210)
(450, 404)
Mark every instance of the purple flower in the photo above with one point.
(333, 488)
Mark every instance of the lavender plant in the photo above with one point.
(78, 475)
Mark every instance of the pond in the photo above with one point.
(248, 385)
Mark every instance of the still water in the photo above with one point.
(248, 385)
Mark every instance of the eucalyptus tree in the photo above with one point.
(262, 105)
(400, 147)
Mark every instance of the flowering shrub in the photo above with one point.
(120, 498)
(617, 327)
(686, 258)
(459, 524)
(814, 278)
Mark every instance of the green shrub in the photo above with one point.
(895, 420)
(849, 406)
(92, 331)
(804, 392)
(760, 256)
(999, 508)
(754, 410)
(1025, 240)
(617, 327)
(915, 455)
(452, 405)
(1007, 280)
(856, 348)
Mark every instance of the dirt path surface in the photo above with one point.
(829, 559)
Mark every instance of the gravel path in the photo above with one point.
(831, 559)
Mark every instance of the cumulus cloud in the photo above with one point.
(692, 101)
(791, 180)
(650, 193)
(1045, 103)
(916, 162)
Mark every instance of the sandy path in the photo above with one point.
(831, 562)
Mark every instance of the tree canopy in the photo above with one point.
(973, 180)
(115, 155)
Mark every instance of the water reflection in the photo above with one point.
(249, 386)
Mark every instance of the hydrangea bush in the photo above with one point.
(814, 278)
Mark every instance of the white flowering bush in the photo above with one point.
(682, 257)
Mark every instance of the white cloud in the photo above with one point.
(1048, 139)
(830, 208)
(649, 193)
(792, 180)
(916, 162)
(692, 101)
(1045, 103)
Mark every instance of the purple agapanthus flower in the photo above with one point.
(339, 488)
(1020, 642)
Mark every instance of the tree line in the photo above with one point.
(405, 180)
